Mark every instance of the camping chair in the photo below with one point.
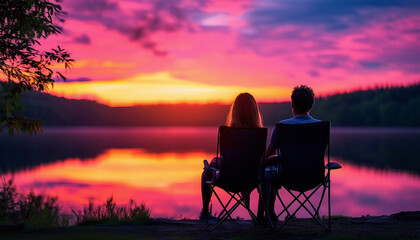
(241, 151)
(302, 169)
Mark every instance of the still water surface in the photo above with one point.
(162, 168)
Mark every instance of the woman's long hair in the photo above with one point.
(244, 112)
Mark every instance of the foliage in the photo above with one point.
(38, 211)
(383, 106)
(32, 210)
(110, 213)
(23, 67)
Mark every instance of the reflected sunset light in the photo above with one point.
(169, 183)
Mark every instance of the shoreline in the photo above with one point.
(403, 225)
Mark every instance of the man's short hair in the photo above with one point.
(302, 98)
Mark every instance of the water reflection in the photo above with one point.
(56, 144)
(360, 191)
(387, 149)
(162, 167)
(166, 182)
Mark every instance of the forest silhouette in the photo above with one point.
(382, 106)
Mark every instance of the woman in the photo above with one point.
(244, 113)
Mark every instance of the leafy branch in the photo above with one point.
(23, 67)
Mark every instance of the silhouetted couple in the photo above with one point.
(244, 113)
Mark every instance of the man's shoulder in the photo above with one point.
(300, 119)
(288, 121)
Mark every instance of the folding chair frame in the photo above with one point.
(296, 198)
(226, 213)
(326, 184)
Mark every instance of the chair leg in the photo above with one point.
(246, 206)
(224, 210)
(241, 201)
(274, 190)
(226, 213)
(329, 200)
(266, 202)
(224, 207)
(263, 201)
(285, 209)
(220, 201)
(266, 194)
(320, 201)
(225, 216)
(316, 210)
(232, 209)
(302, 204)
(315, 215)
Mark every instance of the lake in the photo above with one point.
(162, 168)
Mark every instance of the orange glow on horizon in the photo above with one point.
(162, 88)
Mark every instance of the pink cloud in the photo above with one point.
(238, 43)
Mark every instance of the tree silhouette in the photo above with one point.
(23, 67)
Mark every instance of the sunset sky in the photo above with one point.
(153, 51)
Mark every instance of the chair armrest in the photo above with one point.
(333, 165)
(207, 166)
(271, 168)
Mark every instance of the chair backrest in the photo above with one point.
(302, 149)
(242, 150)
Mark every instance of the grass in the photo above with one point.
(76, 235)
(31, 210)
(110, 213)
(38, 211)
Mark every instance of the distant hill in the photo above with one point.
(397, 106)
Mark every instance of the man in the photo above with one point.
(302, 102)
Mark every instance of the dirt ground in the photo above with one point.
(404, 225)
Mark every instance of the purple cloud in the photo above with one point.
(314, 28)
(59, 183)
(331, 15)
(81, 79)
(138, 24)
(314, 73)
(83, 39)
(275, 28)
(406, 58)
(329, 61)
(370, 64)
